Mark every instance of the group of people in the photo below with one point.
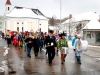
(51, 42)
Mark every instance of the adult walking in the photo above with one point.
(29, 42)
(63, 47)
(8, 37)
(36, 44)
(51, 45)
(73, 42)
(78, 50)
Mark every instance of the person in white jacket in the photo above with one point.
(77, 46)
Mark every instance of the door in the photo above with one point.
(97, 37)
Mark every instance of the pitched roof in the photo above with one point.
(8, 2)
(93, 24)
(84, 16)
(26, 12)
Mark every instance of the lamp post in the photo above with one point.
(70, 16)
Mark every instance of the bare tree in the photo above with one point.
(54, 21)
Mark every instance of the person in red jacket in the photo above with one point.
(15, 41)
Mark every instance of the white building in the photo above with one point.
(78, 22)
(1, 24)
(24, 19)
(91, 32)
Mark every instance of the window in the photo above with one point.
(8, 8)
(22, 28)
(97, 37)
(89, 35)
(22, 23)
(18, 29)
(17, 22)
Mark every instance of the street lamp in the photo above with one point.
(70, 16)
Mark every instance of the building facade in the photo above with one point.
(1, 24)
(91, 32)
(77, 23)
(24, 19)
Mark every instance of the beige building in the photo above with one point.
(24, 19)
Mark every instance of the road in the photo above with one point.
(39, 66)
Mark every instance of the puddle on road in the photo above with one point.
(27, 70)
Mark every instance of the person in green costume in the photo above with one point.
(63, 43)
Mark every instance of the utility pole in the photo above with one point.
(70, 16)
(60, 11)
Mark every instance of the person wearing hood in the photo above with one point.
(63, 47)
(77, 46)
(73, 42)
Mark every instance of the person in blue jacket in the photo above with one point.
(73, 42)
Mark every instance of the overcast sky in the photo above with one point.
(52, 7)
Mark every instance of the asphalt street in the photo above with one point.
(24, 65)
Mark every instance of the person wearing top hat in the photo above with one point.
(63, 43)
(51, 46)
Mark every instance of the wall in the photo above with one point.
(28, 24)
(2, 23)
(90, 37)
(43, 24)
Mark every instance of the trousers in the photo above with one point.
(79, 59)
(51, 53)
(28, 51)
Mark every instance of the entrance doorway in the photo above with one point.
(98, 37)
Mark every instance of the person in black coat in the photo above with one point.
(51, 45)
(29, 42)
(37, 45)
(8, 40)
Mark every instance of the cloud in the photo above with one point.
(47, 7)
